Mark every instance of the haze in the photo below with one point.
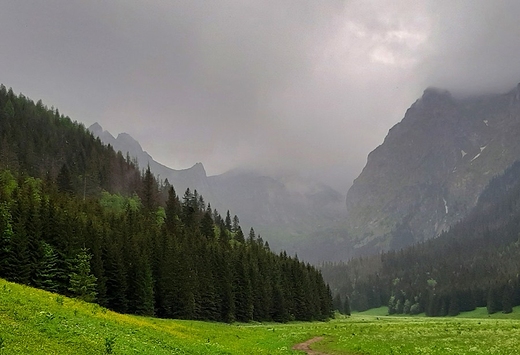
(302, 87)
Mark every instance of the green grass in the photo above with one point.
(381, 311)
(477, 313)
(402, 335)
(38, 322)
(482, 313)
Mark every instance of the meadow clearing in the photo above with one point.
(38, 322)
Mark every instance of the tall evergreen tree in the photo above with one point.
(82, 282)
(47, 272)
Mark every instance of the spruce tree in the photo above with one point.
(242, 287)
(82, 282)
(228, 222)
(6, 242)
(47, 271)
(338, 304)
(346, 306)
(64, 180)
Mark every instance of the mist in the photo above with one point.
(292, 87)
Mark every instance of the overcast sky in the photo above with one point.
(299, 86)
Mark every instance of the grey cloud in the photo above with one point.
(474, 46)
(295, 86)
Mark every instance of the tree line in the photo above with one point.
(79, 219)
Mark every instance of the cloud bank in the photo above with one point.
(282, 86)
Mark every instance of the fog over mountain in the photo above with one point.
(303, 86)
(291, 213)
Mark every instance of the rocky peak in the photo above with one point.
(198, 169)
(129, 143)
(432, 166)
(96, 129)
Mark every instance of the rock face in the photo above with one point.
(291, 213)
(432, 167)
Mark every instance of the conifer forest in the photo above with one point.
(82, 220)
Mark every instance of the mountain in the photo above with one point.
(474, 264)
(432, 167)
(292, 213)
(194, 177)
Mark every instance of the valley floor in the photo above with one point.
(38, 322)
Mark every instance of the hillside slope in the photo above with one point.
(36, 322)
(431, 168)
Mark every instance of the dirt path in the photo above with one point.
(305, 346)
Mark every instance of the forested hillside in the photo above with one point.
(475, 264)
(78, 219)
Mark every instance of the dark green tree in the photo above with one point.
(47, 272)
(82, 282)
(64, 180)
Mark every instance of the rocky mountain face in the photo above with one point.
(432, 167)
(291, 213)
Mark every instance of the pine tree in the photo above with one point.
(19, 258)
(236, 225)
(207, 288)
(82, 282)
(172, 211)
(6, 242)
(338, 304)
(242, 287)
(116, 277)
(239, 236)
(207, 228)
(228, 222)
(454, 309)
(9, 110)
(507, 298)
(144, 296)
(47, 272)
(346, 306)
(64, 180)
(225, 285)
(149, 192)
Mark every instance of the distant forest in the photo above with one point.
(475, 264)
(82, 220)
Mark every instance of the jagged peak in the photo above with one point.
(95, 128)
(98, 131)
(125, 137)
(199, 168)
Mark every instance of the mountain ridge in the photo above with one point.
(432, 166)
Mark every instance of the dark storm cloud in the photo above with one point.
(294, 86)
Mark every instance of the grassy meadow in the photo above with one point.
(38, 322)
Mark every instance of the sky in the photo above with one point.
(282, 86)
